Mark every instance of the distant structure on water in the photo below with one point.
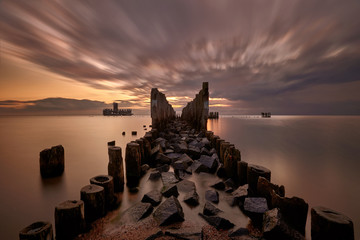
(213, 115)
(266, 114)
(117, 112)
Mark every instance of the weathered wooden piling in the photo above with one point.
(133, 163)
(69, 219)
(115, 167)
(161, 110)
(52, 161)
(196, 112)
(37, 231)
(93, 197)
(223, 147)
(329, 224)
(242, 172)
(107, 182)
(254, 172)
(231, 159)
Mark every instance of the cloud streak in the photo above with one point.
(251, 52)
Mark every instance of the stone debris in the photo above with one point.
(170, 211)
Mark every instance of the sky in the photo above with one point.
(77, 57)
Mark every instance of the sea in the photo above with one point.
(316, 158)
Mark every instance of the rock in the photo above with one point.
(155, 150)
(186, 186)
(181, 147)
(254, 172)
(170, 211)
(134, 133)
(221, 173)
(180, 165)
(170, 190)
(186, 159)
(239, 232)
(329, 224)
(242, 172)
(163, 168)
(163, 159)
(205, 151)
(174, 156)
(230, 183)
(37, 231)
(192, 198)
(241, 193)
(168, 151)
(212, 196)
(209, 162)
(52, 161)
(93, 197)
(136, 212)
(168, 178)
(198, 167)
(182, 174)
(69, 219)
(210, 210)
(275, 228)
(155, 175)
(194, 152)
(254, 208)
(115, 168)
(193, 233)
(144, 168)
(294, 211)
(133, 189)
(153, 197)
(265, 189)
(133, 161)
(219, 185)
(107, 182)
(218, 222)
(157, 234)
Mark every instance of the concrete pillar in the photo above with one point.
(254, 172)
(37, 231)
(52, 161)
(115, 168)
(94, 201)
(107, 182)
(69, 219)
(132, 159)
(329, 224)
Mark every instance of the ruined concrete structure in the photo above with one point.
(161, 110)
(196, 112)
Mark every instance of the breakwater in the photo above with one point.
(175, 135)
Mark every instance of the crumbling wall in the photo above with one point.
(196, 112)
(161, 110)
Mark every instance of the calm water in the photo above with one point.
(316, 158)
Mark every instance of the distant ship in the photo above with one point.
(266, 114)
(117, 112)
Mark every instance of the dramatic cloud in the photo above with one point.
(52, 106)
(257, 55)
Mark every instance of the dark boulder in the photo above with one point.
(218, 222)
(136, 212)
(192, 198)
(168, 178)
(209, 162)
(155, 175)
(186, 186)
(329, 224)
(153, 197)
(170, 211)
(210, 210)
(169, 190)
(163, 168)
(212, 196)
(198, 167)
(254, 208)
(240, 232)
(219, 185)
(163, 159)
(265, 189)
(241, 193)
